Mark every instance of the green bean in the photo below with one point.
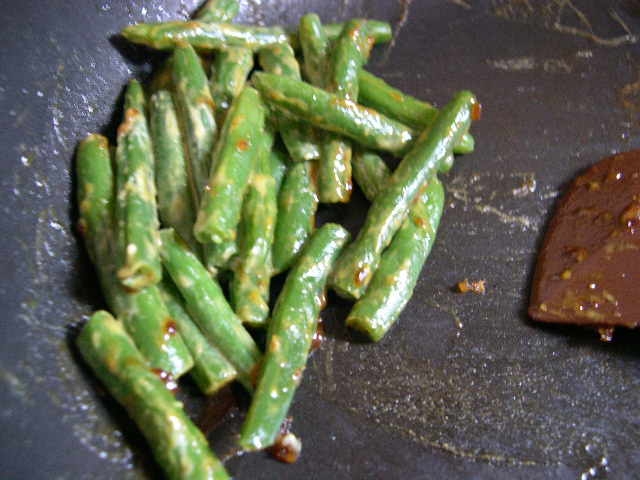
(350, 52)
(368, 169)
(379, 95)
(291, 330)
(136, 201)
(326, 111)
(177, 444)
(229, 72)
(204, 36)
(379, 31)
(211, 370)
(278, 166)
(194, 107)
(209, 308)
(401, 263)
(143, 314)
(175, 200)
(147, 320)
(95, 195)
(297, 136)
(213, 36)
(297, 205)
(360, 260)
(217, 11)
(234, 157)
(314, 45)
(250, 285)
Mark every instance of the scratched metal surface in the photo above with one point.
(464, 386)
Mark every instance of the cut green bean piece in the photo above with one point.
(204, 36)
(382, 97)
(147, 320)
(194, 106)
(137, 218)
(219, 213)
(298, 137)
(278, 166)
(314, 45)
(379, 31)
(217, 11)
(177, 444)
(351, 50)
(252, 272)
(143, 313)
(368, 170)
(291, 330)
(176, 205)
(214, 36)
(211, 370)
(327, 111)
(95, 196)
(297, 205)
(229, 72)
(360, 260)
(401, 263)
(209, 308)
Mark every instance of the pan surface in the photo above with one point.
(464, 386)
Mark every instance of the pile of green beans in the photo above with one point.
(216, 179)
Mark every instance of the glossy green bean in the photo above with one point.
(229, 72)
(368, 169)
(203, 35)
(194, 107)
(379, 31)
(177, 444)
(297, 205)
(143, 313)
(382, 97)
(176, 205)
(211, 370)
(360, 260)
(278, 166)
(328, 112)
(291, 330)
(137, 218)
(252, 272)
(350, 52)
(234, 158)
(298, 137)
(208, 307)
(401, 263)
(314, 44)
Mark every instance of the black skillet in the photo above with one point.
(465, 386)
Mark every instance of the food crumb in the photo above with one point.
(606, 334)
(478, 287)
(287, 446)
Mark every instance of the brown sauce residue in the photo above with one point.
(81, 227)
(318, 337)
(287, 446)
(169, 328)
(242, 145)
(476, 111)
(215, 410)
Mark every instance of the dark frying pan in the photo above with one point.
(465, 386)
